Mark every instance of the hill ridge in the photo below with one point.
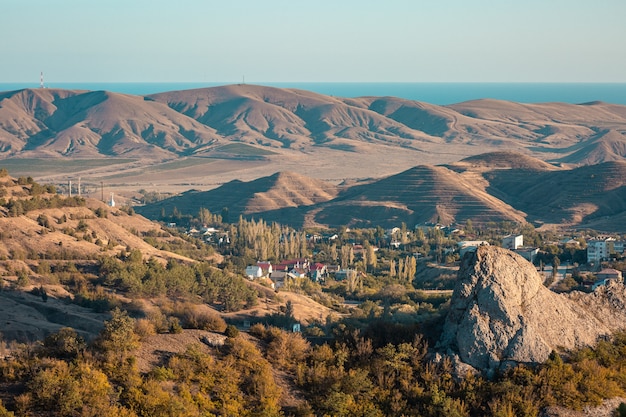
(78, 123)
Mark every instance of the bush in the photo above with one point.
(193, 319)
(144, 328)
(174, 325)
(22, 279)
(231, 331)
(158, 320)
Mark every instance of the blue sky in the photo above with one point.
(313, 41)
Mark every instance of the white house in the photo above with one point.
(513, 242)
(254, 271)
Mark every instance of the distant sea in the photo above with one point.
(435, 93)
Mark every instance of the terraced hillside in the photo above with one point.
(493, 187)
(418, 195)
(576, 196)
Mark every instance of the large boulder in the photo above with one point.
(501, 313)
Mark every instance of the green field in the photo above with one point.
(243, 149)
(166, 166)
(32, 166)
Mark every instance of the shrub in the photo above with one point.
(144, 328)
(192, 318)
(231, 331)
(22, 279)
(158, 320)
(174, 325)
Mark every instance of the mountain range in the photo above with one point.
(493, 187)
(313, 160)
(87, 124)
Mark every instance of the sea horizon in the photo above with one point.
(440, 93)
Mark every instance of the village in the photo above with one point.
(582, 261)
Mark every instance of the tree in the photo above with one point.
(118, 337)
(347, 256)
(555, 266)
(372, 259)
(64, 344)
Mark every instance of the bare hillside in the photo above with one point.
(280, 190)
(493, 187)
(61, 123)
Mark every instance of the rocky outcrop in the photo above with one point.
(501, 313)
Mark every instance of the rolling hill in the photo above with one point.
(232, 141)
(63, 123)
(493, 187)
(280, 190)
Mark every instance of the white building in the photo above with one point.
(599, 249)
(470, 246)
(513, 242)
(528, 253)
(254, 271)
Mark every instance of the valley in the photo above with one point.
(363, 206)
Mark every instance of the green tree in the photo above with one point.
(118, 337)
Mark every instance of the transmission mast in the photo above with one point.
(41, 80)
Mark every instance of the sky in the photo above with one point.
(313, 41)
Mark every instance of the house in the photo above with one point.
(609, 273)
(260, 270)
(254, 272)
(605, 276)
(513, 242)
(357, 249)
(278, 277)
(298, 272)
(266, 267)
(569, 242)
(314, 237)
(318, 272)
(293, 263)
(529, 253)
(470, 246)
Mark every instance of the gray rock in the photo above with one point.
(501, 313)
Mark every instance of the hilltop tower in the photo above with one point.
(41, 80)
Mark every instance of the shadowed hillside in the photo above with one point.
(576, 196)
(88, 124)
(503, 160)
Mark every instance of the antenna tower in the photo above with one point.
(41, 80)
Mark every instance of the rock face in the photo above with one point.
(501, 313)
